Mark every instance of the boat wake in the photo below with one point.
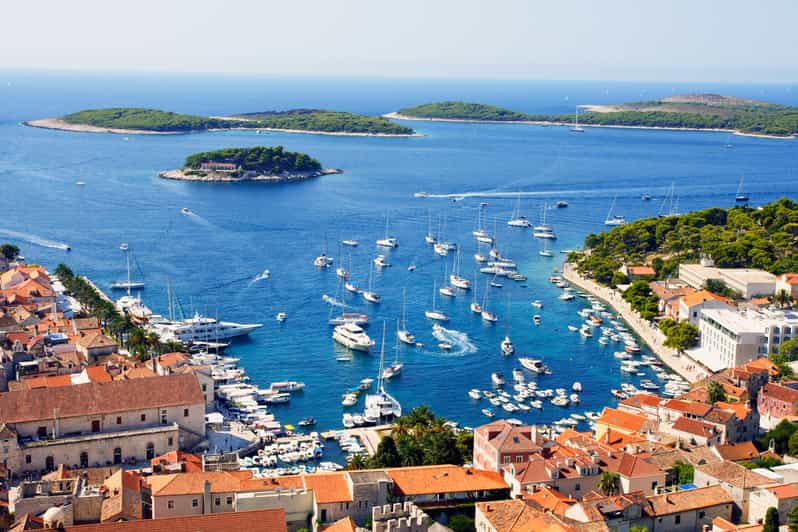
(459, 341)
(332, 301)
(34, 239)
(196, 218)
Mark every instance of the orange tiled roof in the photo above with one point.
(784, 491)
(516, 516)
(624, 420)
(781, 393)
(347, 524)
(550, 500)
(702, 296)
(444, 479)
(328, 488)
(272, 520)
(642, 399)
(688, 407)
(641, 270)
(694, 426)
(740, 410)
(734, 452)
(683, 501)
(98, 374)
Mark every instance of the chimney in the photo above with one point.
(206, 498)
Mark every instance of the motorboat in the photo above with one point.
(348, 421)
(371, 297)
(201, 328)
(573, 328)
(445, 346)
(479, 257)
(380, 262)
(350, 243)
(631, 348)
(475, 394)
(435, 314)
(411, 267)
(80, 183)
(280, 316)
(352, 337)
(537, 303)
(488, 412)
(489, 316)
(447, 291)
(185, 210)
(536, 366)
(645, 196)
(560, 400)
(537, 319)
(307, 422)
(577, 387)
(323, 261)
(350, 317)
(351, 287)
(561, 204)
(567, 296)
(497, 378)
(586, 332)
(507, 347)
(342, 272)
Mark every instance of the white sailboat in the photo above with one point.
(128, 284)
(380, 406)
(429, 238)
(485, 313)
(480, 230)
(401, 332)
(741, 195)
(517, 219)
(577, 128)
(387, 241)
(544, 230)
(396, 368)
(546, 252)
(435, 314)
(614, 219)
(369, 295)
(455, 278)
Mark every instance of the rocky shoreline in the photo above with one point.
(220, 177)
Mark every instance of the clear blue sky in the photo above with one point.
(696, 40)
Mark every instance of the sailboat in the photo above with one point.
(517, 219)
(396, 368)
(369, 295)
(435, 314)
(671, 200)
(429, 239)
(445, 290)
(387, 241)
(476, 308)
(381, 406)
(130, 304)
(741, 196)
(614, 219)
(342, 272)
(402, 333)
(576, 128)
(480, 230)
(507, 346)
(323, 261)
(546, 252)
(486, 314)
(544, 230)
(129, 284)
(455, 278)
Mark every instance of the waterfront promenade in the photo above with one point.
(646, 330)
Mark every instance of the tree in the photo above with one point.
(387, 455)
(461, 523)
(781, 298)
(771, 523)
(9, 251)
(465, 446)
(685, 472)
(792, 523)
(358, 461)
(715, 392)
(679, 335)
(792, 444)
(608, 483)
(789, 349)
(780, 435)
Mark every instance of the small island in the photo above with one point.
(710, 112)
(260, 163)
(139, 121)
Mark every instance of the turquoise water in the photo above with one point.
(240, 230)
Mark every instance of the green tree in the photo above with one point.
(792, 523)
(771, 523)
(9, 251)
(684, 471)
(792, 444)
(715, 392)
(387, 455)
(780, 435)
(609, 482)
(789, 349)
(465, 446)
(357, 462)
(462, 523)
(679, 335)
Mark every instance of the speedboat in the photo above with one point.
(353, 337)
(480, 257)
(585, 331)
(341, 272)
(350, 243)
(533, 365)
(380, 262)
(645, 196)
(475, 394)
(388, 242)
(280, 316)
(507, 347)
(405, 337)
(537, 319)
(322, 261)
(497, 378)
(185, 210)
(537, 304)
(307, 422)
(445, 346)
(561, 204)
(411, 267)
(487, 412)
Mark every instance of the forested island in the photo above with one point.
(129, 120)
(692, 111)
(258, 163)
(739, 237)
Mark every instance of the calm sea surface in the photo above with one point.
(237, 231)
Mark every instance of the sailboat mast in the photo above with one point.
(127, 254)
(382, 358)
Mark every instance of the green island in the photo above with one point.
(142, 121)
(258, 163)
(691, 111)
(324, 121)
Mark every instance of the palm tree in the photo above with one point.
(608, 483)
(781, 298)
(358, 461)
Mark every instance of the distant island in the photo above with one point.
(137, 121)
(692, 111)
(259, 163)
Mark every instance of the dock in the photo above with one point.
(97, 289)
(369, 436)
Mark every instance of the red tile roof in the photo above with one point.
(622, 420)
(694, 426)
(784, 491)
(688, 407)
(328, 488)
(780, 393)
(272, 520)
(642, 399)
(444, 479)
(702, 296)
(516, 516)
(737, 451)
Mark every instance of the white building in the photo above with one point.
(748, 282)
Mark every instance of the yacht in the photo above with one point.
(429, 238)
(517, 219)
(741, 196)
(387, 241)
(455, 278)
(380, 262)
(185, 210)
(369, 295)
(475, 394)
(447, 291)
(479, 257)
(507, 347)
(577, 128)
(488, 412)
(476, 308)
(435, 314)
(128, 284)
(353, 337)
(544, 230)
(351, 287)
(546, 252)
(322, 261)
(402, 333)
(497, 378)
(380, 406)
(614, 220)
(350, 317)
(533, 365)
(341, 272)
(133, 307)
(350, 243)
(561, 204)
(201, 328)
(487, 315)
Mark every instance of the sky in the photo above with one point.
(675, 40)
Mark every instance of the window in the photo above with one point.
(701, 514)
(118, 455)
(144, 417)
(170, 504)
(170, 441)
(229, 501)
(163, 418)
(119, 420)
(42, 432)
(185, 412)
(49, 463)
(84, 459)
(519, 458)
(27, 458)
(654, 486)
(217, 501)
(194, 503)
(323, 515)
(204, 387)
(506, 459)
(577, 487)
(150, 451)
(677, 519)
(95, 425)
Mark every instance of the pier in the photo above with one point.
(97, 289)
(369, 436)
(647, 331)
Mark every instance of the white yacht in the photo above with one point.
(546, 252)
(476, 308)
(544, 230)
(387, 241)
(133, 307)
(487, 315)
(435, 314)
(402, 333)
(350, 243)
(533, 365)
(381, 406)
(507, 347)
(517, 219)
(341, 272)
(577, 128)
(127, 284)
(455, 278)
(201, 328)
(353, 337)
(323, 261)
(380, 262)
(613, 220)
(447, 291)
(369, 295)
(350, 317)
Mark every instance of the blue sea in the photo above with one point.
(211, 258)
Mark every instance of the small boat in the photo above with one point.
(349, 317)
(263, 275)
(537, 319)
(80, 183)
(475, 394)
(494, 284)
(341, 272)
(352, 287)
(537, 304)
(741, 196)
(567, 296)
(533, 365)
(348, 421)
(488, 412)
(322, 261)
(307, 422)
(586, 332)
(561, 204)
(411, 267)
(574, 398)
(445, 346)
(560, 400)
(631, 348)
(507, 347)
(185, 210)
(350, 243)
(497, 378)
(366, 383)
(124, 246)
(577, 387)
(614, 220)
(447, 291)
(281, 316)
(645, 196)
(573, 328)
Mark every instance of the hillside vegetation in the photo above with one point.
(738, 237)
(144, 119)
(699, 111)
(326, 121)
(264, 160)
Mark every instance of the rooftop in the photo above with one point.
(686, 500)
(255, 521)
(734, 474)
(622, 420)
(444, 479)
(516, 516)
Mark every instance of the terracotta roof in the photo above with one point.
(53, 381)
(192, 462)
(173, 359)
(623, 420)
(790, 278)
(516, 516)
(99, 398)
(641, 270)
(689, 407)
(734, 474)
(784, 491)
(272, 520)
(630, 465)
(444, 479)
(506, 437)
(347, 524)
(618, 440)
(780, 393)
(137, 373)
(720, 524)
(694, 426)
(191, 483)
(740, 410)
(702, 296)
(762, 363)
(734, 452)
(642, 399)
(95, 340)
(97, 374)
(687, 500)
(328, 488)
(551, 500)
